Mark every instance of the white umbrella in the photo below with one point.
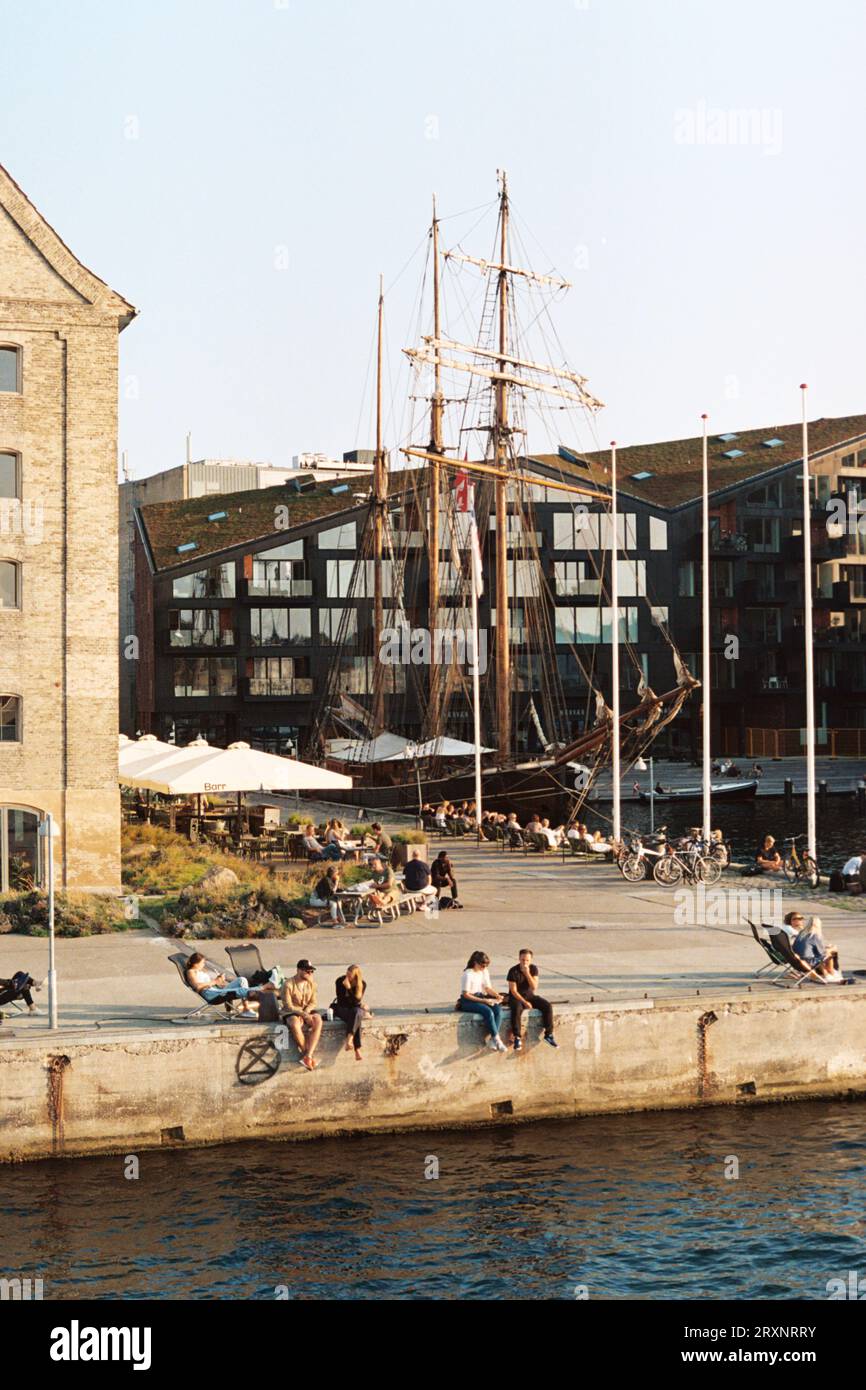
(201, 769)
(437, 748)
(144, 753)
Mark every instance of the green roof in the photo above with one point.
(251, 516)
(675, 464)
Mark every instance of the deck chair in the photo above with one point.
(798, 972)
(246, 960)
(775, 965)
(224, 1006)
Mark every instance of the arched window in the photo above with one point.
(10, 368)
(10, 475)
(10, 584)
(10, 719)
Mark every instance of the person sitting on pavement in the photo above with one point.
(477, 996)
(318, 851)
(349, 1007)
(384, 894)
(522, 983)
(212, 985)
(299, 1003)
(443, 880)
(768, 860)
(326, 894)
(598, 844)
(811, 948)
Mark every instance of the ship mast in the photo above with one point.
(380, 493)
(500, 451)
(436, 450)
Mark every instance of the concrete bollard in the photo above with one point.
(861, 797)
(823, 791)
(789, 791)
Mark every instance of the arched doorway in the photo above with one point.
(20, 859)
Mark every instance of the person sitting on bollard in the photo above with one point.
(522, 982)
(477, 996)
(299, 1002)
(443, 880)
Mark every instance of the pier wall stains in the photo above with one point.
(178, 1086)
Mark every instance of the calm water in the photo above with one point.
(631, 1207)
(841, 830)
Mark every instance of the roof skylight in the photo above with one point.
(733, 454)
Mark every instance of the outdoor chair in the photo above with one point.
(798, 971)
(775, 965)
(224, 1006)
(246, 960)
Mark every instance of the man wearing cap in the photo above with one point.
(299, 1002)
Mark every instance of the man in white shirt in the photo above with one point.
(852, 868)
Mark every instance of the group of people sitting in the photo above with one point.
(297, 997)
(333, 842)
(450, 819)
(478, 996)
(421, 881)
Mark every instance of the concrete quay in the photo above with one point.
(656, 1008)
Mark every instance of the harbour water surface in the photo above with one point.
(739, 1203)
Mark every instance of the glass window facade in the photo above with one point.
(10, 719)
(216, 582)
(8, 475)
(280, 627)
(198, 677)
(10, 369)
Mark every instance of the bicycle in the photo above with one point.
(799, 867)
(689, 864)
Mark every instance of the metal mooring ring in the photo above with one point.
(258, 1060)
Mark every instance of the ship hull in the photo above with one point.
(525, 788)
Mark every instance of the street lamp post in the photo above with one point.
(641, 766)
(48, 830)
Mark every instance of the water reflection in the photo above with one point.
(631, 1206)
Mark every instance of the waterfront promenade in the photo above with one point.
(595, 937)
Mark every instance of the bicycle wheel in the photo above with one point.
(708, 870)
(790, 868)
(667, 871)
(633, 868)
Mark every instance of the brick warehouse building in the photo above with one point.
(59, 327)
(237, 633)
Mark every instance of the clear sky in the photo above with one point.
(241, 170)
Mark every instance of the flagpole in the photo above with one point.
(807, 632)
(614, 604)
(705, 626)
(476, 678)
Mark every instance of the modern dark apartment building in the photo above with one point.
(244, 602)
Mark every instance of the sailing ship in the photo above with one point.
(456, 516)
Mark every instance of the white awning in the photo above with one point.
(200, 769)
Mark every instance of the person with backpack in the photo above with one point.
(443, 880)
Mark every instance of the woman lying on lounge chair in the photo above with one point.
(812, 949)
(213, 986)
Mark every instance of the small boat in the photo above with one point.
(727, 791)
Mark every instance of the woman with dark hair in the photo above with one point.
(442, 878)
(477, 996)
(348, 1006)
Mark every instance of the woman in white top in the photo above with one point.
(477, 996)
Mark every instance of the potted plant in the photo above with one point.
(405, 843)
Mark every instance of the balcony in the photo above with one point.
(279, 588)
(279, 688)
